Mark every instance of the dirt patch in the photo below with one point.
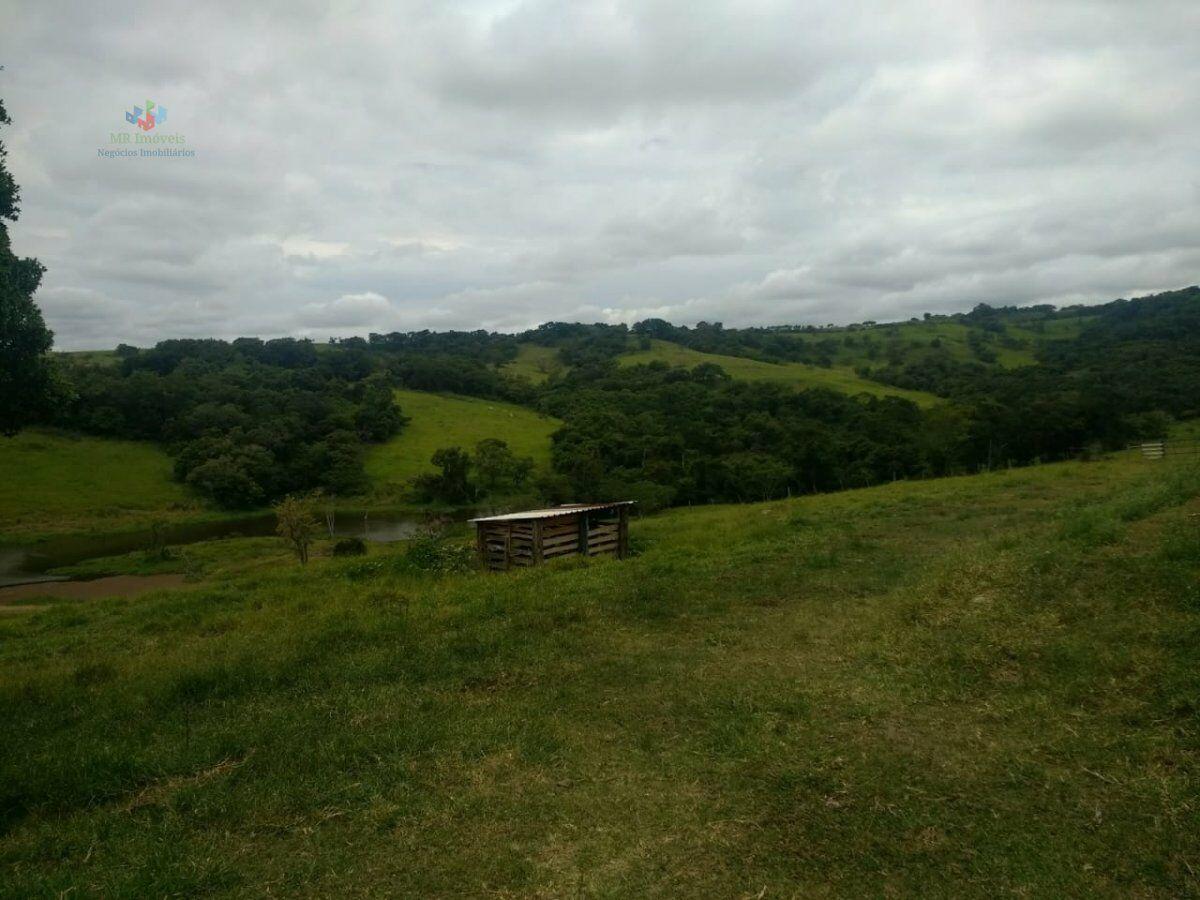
(15, 598)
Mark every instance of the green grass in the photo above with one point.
(60, 482)
(796, 374)
(946, 688)
(1188, 430)
(952, 337)
(918, 337)
(92, 357)
(535, 362)
(200, 560)
(443, 420)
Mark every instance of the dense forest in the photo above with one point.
(250, 420)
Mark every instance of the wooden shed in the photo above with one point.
(530, 537)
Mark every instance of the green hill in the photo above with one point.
(59, 482)
(535, 362)
(444, 420)
(838, 378)
(1013, 346)
(967, 687)
(88, 357)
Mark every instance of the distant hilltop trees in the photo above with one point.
(249, 420)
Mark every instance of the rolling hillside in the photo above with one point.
(970, 687)
(796, 374)
(443, 420)
(58, 482)
(1014, 347)
(88, 357)
(535, 362)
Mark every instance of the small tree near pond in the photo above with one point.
(452, 485)
(296, 524)
(498, 466)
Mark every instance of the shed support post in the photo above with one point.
(537, 541)
(623, 532)
(583, 534)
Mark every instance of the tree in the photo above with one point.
(455, 464)
(227, 483)
(498, 466)
(343, 473)
(296, 524)
(378, 417)
(452, 484)
(29, 387)
(757, 476)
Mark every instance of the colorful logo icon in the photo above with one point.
(147, 118)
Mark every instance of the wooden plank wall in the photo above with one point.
(560, 536)
(505, 545)
(492, 541)
(604, 533)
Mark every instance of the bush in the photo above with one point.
(431, 553)
(227, 482)
(350, 546)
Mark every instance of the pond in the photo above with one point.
(24, 563)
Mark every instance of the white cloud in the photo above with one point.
(316, 250)
(485, 165)
(348, 311)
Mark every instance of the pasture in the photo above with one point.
(968, 687)
(851, 348)
(444, 420)
(535, 362)
(54, 481)
(797, 375)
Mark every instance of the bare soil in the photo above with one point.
(16, 598)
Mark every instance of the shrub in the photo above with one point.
(227, 482)
(350, 546)
(429, 552)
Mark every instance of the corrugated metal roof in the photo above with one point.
(565, 510)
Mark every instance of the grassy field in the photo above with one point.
(63, 483)
(92, 357)
(969, 687)
(442, 420)
(951, 337)
(797, 374)
(535, 362)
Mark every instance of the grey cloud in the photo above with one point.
(487, 164)
(588, 60)
(349, 310)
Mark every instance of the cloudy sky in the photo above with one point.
(402, 165)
